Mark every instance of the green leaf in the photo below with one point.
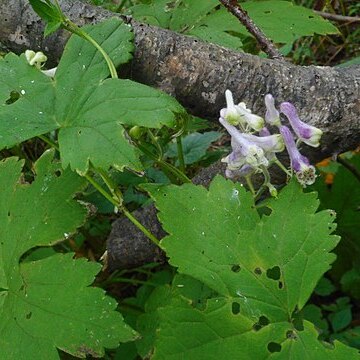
(314, 314)
(324, 287)
(281, 21)
(350, 282)
(350, 337)
(291, 21)
(46, 10)
(188, 13)
(263, 269)
(346, 204)
(88, 110)
(194, 146)
(221, 332)
(354, 61)
(271, 265)
(51, 27)
(49, 304)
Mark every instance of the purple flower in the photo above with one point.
(244, 150)
(308, 134)
(272, 116)
(264, 132)
(305, 172)
(269, 143)
(254, 121)
(244, 171)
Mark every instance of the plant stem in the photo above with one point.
(180, 153)
(265, 44)
(140, 226)
(118, 203)
(49, 142)
(70, 26)
(163, 164)
(336, 17)
(348, 166)
(101, 190)
(156, 143)
(282, 167)
(250, 184)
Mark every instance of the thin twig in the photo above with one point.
(266, 45)
(347, 165)
(335, 17)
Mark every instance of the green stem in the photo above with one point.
(111, 185)
(122, 208)
(341, 160)
(163, 164)
(49, 142)
(156, 143)
(73, 28)
(70, 26)
(140, 226)
(250, 184)
(282, 167)
(180, 153)
(101, 190)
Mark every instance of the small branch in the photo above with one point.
(347, 165)
(266, 45)
(335, 17)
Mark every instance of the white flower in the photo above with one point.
(244, 151)
(254, 121)
(230, 114)
(35, 58)
(272, 116)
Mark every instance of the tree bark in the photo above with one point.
(197, 74)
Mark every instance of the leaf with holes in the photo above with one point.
(267, 267)
(220, 27)
(88, 109)
(49, 303)
(220, 329)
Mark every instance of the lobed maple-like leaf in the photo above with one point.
(88, 109)
(263, 270)
(49, 303)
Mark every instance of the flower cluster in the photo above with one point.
(254, 148)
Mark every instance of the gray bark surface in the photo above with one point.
(197, 74)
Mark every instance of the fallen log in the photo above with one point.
(197, 74)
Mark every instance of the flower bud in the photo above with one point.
(230, 114)
(272, 116)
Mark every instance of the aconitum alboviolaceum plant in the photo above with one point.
(255, 153)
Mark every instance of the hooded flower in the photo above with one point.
(269, 143)
(304, 172)
(244, 150)
(230, 113)
(308, 134)
(272, 116)
(254, 121)
(244, 171)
